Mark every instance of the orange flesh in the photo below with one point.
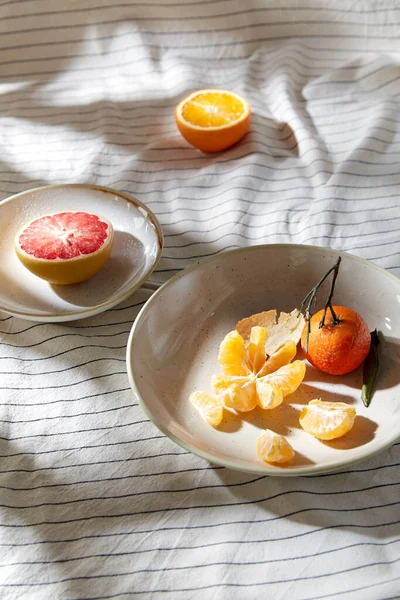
(212, 110)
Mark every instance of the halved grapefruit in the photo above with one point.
(66, 247)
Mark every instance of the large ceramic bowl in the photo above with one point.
(173, 349)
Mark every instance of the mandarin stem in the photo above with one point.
(311, 298)
(335, 319)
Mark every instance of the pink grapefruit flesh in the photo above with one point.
(65, 248)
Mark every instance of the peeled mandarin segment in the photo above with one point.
(221, 383)
(208, 407)
(287, 378)
(238, 393)
(327, 420)
(232, 355)
(283, 356)
(274, 448)
(333, 406)
(269, 396)
(241, 397)
(256, 348)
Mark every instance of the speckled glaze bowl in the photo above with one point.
(136, 251)
(173, 349)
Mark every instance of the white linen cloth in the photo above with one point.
(95, 501)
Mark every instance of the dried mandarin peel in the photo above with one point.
(280, 329)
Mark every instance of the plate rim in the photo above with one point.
(103, 306)
(263, 470)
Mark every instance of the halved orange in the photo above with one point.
(213, 119)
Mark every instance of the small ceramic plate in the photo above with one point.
(136, 250)
(173, 350)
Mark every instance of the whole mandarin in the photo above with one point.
(337, 348)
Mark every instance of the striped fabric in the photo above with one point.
(95, 501)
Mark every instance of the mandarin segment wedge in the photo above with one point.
(269, 396)
(238, 393)
(287, 378)
(255, 348)
(283, 356)
(274, 448)
(209, 407)
(327, 420)
(232, 355)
